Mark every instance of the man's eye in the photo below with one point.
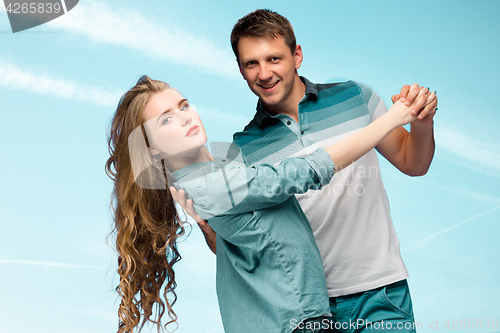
(250, 63)
(274, 59)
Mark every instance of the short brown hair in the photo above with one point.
(263, 23)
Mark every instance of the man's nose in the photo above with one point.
(265, 72)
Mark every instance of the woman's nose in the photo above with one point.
(185, 119)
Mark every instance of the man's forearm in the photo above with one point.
(210, 236)
(419, 149)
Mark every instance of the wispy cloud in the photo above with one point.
(472, 150)
(42, 83)
(118, 26)
(46, 264)
(456, 190)
(441, 232)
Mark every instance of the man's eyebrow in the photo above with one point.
(182, 101)
(274, 54)
(279, 54)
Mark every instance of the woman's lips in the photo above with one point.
(193, 130)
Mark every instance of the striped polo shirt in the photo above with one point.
(350, 216)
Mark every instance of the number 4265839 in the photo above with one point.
(33, 8)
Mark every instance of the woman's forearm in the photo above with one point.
(348, 150)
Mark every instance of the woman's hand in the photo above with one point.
(408, 95)
(403, 113)
(187, 205)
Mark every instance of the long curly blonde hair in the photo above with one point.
(146, 223)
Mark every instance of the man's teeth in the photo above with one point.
(269, 86)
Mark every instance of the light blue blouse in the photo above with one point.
(269, 269)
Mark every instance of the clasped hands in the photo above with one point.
(423, 101)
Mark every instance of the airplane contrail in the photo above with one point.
(426, 239)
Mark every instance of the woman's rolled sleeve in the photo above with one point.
(236, 189)
(322, 164)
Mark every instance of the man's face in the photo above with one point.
(269, 67)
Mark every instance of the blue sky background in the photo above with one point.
(60, 83)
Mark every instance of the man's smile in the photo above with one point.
(269, 86)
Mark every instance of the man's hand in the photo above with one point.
(187, 205)
(425, 112)
(412, 152)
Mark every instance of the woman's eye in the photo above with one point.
(166, 120)
(184, 107)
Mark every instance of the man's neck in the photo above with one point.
(290, 106)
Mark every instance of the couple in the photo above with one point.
(270, 272)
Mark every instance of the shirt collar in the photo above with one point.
(311, 92)
(192, 171)
(223, 153)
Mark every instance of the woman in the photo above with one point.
(269, 271)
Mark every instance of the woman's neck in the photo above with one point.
(177, 162)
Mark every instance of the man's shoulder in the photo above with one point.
(346, 90)
(331, 85)
(339, 87)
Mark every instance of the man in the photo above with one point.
(365, 274)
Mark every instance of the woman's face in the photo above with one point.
(173, 127)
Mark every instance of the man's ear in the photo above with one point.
(298, 56)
